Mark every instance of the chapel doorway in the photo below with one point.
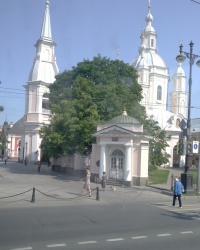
(117, 165)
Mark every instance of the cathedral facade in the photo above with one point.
(153, 75)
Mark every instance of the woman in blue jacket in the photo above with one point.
(178, 187)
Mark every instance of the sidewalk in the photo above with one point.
(18, 181)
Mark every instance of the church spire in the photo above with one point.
(149, 6)
(44, 66)
(46, 27)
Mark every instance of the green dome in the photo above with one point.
(123, 119)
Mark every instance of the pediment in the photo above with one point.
(114, 131)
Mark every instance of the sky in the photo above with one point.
(83, 29)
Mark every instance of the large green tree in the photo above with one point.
(91, 93)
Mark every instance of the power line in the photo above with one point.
(195, 1)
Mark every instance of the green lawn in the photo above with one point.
(158, 176)
(193, 172)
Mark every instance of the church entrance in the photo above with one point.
(117, 165)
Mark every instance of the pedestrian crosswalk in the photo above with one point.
(189, 210)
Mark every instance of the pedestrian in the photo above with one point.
(87, 183)
(178, 188)
(49, 163)
(5, 159)
(39, 166)
(104, 180)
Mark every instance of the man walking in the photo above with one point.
(178, 187)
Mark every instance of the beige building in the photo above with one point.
(121, 150)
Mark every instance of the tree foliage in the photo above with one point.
(3, 141)
(157, 145)
(93, 92)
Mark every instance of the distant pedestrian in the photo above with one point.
(26, 161)
(87, 183)
(5, 159)
(104, 180)
(49, 162)
(178, 187)
(39, 166)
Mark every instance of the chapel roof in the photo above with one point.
(123, 119)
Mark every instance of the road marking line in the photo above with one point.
(163, 235)
(57, 245)
(187, 232)
(139, 237)
(87, 242)
(117, 239)
(25, 248)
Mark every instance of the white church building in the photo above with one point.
(42, 74)
(153, 76)
(122, 147)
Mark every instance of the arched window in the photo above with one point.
(159, 93)
(152, 42)
(45, 101)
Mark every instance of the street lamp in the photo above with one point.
(181, 58)
(25, 162)
(19, 150)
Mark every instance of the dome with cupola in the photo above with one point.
(123, 119)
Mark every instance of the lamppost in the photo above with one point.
(1, 107)
(19, 150)
(181, 58)
(25, 161)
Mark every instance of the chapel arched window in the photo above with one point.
(159, 93)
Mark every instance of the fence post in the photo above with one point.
(97, 194)
(33, 195)
(172, 182)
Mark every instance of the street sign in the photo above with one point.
(195, 147)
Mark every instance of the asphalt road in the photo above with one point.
(128, 218)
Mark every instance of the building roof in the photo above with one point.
(123, 119)
(151, 59)
(17, 128)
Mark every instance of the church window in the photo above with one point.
(152, 43)
(45, 101)
(159, 93)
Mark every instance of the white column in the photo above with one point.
(144, 160)
(102, 166)
(128, 160)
